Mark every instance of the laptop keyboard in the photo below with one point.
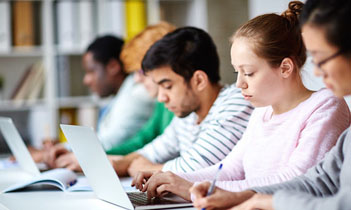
(140, 199)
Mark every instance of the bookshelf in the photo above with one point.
(61, 56)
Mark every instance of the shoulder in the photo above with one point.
(325, 99)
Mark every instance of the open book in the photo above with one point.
(61, 178)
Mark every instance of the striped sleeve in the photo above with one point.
(220, 131)
(164, 147)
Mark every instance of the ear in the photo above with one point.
(113, 67)
(287, 67)
(199, 80)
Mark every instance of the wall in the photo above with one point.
(224, 17)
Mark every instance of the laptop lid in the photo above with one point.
(17, 146)
(95, 165)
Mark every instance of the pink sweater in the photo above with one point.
(276, 148)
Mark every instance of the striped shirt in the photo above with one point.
(187, 146)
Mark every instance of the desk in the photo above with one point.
(48, 200)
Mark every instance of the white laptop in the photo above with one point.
(17, 146)
(101, 175)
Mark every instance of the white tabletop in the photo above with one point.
(48, 199)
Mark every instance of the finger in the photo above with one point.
(136, 181)
(151, 186)
(200, 203)
(62, 162)
(74, 167)
(140, 180)
(200, 190)
(148, 179)
(162, 190)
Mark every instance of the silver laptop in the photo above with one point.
(101, 175)
(17, 146)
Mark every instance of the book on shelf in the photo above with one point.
(74, 24)
(30, 85)
(62, 179)
(67, 23)
(67, 116)
(63, 76)
(21, 82)
(111, 19)
(23, 23)
(86, 30)
(5, 28)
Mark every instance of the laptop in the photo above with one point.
(101, 175)
(17, 146)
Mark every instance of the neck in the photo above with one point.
(118, 81)
(207, 98)
(295, 94)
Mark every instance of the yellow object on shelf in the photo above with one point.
(135, 17)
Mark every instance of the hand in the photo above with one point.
(258, 201)
(140, 179)
(51, 154)
(160, 183)
(37, 154)
(69, 161)
(48, 142)
(142, 164)
(219, 199)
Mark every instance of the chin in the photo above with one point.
(182, 114)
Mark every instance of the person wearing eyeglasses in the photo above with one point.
(326, 33)
(291, 128)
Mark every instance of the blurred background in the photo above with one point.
(42, 42)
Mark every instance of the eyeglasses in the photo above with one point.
(320, 63)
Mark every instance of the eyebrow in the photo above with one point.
(241, 66)
(163, 81)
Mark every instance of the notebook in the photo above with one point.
(62, 179)
(102, 177)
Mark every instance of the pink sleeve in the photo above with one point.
(317, 137)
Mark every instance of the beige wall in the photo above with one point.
(224, 17)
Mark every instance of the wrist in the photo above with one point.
(240, 197)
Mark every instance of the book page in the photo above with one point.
(61, 178)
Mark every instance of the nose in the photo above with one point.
(87, 79)
(240, 82)
(317, 72)
(161, 96)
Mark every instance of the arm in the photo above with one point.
(318, 136)
(164, 147)
(121, 164)
(322, 180)
(291, 200)
(232, 165)
(180, 183)
(154, 127)
(216, 139)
